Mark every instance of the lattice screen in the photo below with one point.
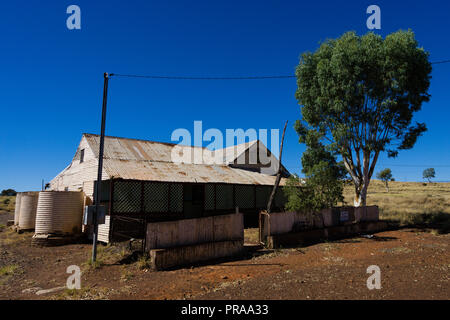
(224, 197)
(156, 197)
(209, 196)
(280, 198)
(176, 197)
(262, 196)
(245, 196)
(127, 197)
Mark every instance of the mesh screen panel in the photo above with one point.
(224, 197)
(262, 196)
(280, 198)
(245, 197)
(156, 197)
(176, 198)
(127, 196)
(209, 197)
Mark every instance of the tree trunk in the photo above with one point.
(361, 195)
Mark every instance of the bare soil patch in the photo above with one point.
(414, 265)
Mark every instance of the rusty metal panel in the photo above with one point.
(187, 173)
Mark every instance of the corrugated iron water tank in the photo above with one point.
(59, 212)
(17, 209)
(27, 210)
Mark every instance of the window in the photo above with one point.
(81, 155)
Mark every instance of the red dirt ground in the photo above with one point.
(414, 265)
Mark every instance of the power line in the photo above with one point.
(400, 165)
(415, 166)
(220, 78)
(440, 62)
(202, 78)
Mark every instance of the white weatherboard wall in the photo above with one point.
(162, 235)
(103, 230)
(79, 176)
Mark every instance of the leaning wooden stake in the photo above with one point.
(277, 180)
(272, 195)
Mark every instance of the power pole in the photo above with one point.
(100, 166)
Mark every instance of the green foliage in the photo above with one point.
(359, 94)
(8, 192)
(429, 174)
(321, 190)
(385, 176)
(323, 187)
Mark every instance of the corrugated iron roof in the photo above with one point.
(152, 161)
(231, 153)
(173, 172)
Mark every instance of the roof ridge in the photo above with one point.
(143, 140)
(162, 161)
(240, 144)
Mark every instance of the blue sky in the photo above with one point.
(51, 77)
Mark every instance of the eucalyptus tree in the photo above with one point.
(429, 174)
(359, 94)
(385, 176)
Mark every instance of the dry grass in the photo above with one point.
(251, 235)
(410, 203)
(83, 294)
(9, 270)
(8, 236)
(106, 254)
(7, 203)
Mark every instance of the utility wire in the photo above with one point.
(220, 78)
(201, 78)
(440, 62)
(402, 165)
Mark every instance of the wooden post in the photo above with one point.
(277, 180)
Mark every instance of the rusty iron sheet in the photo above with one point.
(152, 161)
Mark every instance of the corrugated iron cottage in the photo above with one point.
(142, 183)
